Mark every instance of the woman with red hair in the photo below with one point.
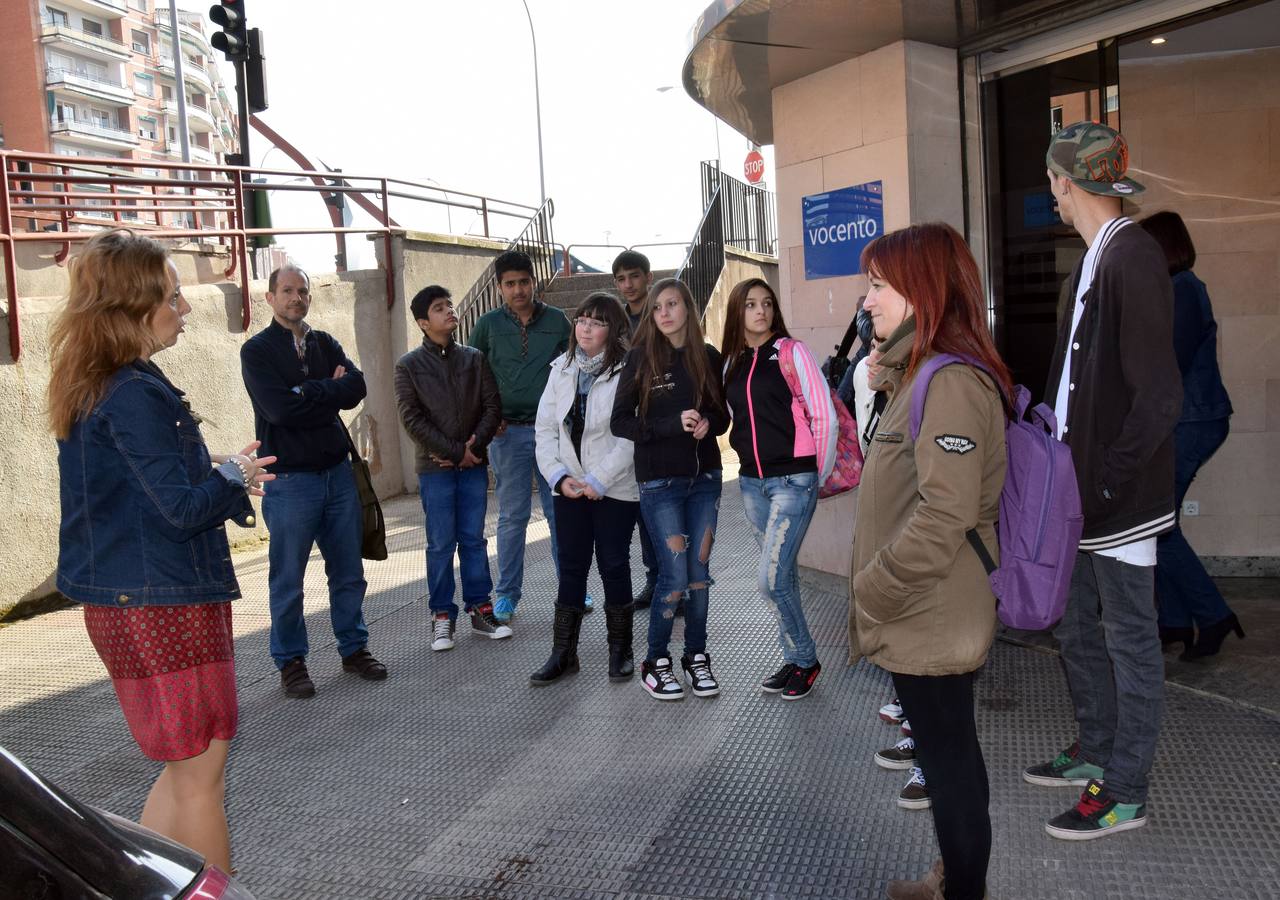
(921, 605)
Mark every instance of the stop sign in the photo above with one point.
(753, 168)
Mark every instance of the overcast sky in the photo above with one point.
(444, 91)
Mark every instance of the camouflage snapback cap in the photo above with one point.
(1095, 157)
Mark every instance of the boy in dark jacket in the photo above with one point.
(449, 404)
(1117, 394)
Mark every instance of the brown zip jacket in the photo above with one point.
(919, 599)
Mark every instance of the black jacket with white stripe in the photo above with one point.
(1127, 394)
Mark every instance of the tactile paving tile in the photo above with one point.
(455, 779)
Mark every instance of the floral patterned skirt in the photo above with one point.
(173, 669)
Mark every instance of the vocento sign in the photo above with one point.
(838, 225)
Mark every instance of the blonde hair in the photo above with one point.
(118, 282)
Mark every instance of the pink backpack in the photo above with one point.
(847, 471)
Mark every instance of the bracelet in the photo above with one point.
(244, 472)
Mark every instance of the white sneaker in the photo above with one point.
(442, 632)
(659, 681)
(891, 712)
(701, 681)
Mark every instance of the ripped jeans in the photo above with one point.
(779, 510)
(680, 514)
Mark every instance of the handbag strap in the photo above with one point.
(351, 444)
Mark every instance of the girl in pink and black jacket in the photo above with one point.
(785, 439)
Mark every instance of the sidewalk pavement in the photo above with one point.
(454, 778)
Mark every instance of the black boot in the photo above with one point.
(1209, 640)
(621, 663)
(645, 598)
(1177, 635)
(564, 647)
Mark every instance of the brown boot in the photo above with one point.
(928, 888)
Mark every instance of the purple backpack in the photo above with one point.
(1040, 518)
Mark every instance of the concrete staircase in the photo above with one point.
(568, 291)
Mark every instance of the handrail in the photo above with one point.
(75, 32)
(538, 242)
(63, 200)
(705, 260)
(52, 73)
(568, 265)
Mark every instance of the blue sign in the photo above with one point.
(838, 225)
(1039, 210)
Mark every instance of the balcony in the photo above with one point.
(54, 33)
(190, 27)
(111, 9)
(87, 85)
(198, 118)
(94, 134)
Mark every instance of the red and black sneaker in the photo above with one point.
(1096, 814)
(801, 681)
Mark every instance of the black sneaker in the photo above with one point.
(901, 755)
(914, 794)
(296, 681)
(657, 678)
(777, 682)
(442, 632)
(483, 622)
(801, 682)
(1096, 815)
(701, 681)
(1067, 768)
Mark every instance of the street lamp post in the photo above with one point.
(537, 100)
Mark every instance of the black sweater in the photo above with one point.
(295, 405)
(663, 448)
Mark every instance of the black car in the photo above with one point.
(54, 848)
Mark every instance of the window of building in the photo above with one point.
(166, 92)
(141, 42)
(147, 128)
(139, 5)
(57, 16)
(91, 27)
(144, 85)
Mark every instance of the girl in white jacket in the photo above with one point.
(592, 474)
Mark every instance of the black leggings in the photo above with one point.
(940, 709)
(602, 527)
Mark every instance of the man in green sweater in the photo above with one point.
(520, 340)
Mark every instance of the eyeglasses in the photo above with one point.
(584, 322)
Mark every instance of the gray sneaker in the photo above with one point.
(901, 755)
(914, 794)
(483, 622)
(442, 632)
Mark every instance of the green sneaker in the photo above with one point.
(1096, 815)
(1066, 769)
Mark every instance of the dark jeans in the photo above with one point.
(1115, 670)
(1185, 592)
(320, 508)
(601, 526)
(455, 501)
(947, 750)
(681, 508)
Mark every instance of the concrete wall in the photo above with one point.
(739, 265)
(206, 364)
(891, 115)
(1204, 137)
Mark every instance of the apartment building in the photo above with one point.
(97, 78)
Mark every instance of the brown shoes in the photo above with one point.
(928, 888)
(296, 681)
(363, 664)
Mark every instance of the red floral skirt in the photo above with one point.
(173, 668)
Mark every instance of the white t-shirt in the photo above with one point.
(1139, 553)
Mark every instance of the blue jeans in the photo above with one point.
(1115, 670)
(779, 510)
(514, 467)
(321, 508)
(680, 514)
(454, 501)
(1184, 589)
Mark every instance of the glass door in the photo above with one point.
(1032, 252)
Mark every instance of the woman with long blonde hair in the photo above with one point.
(142, 543)
(669, 404)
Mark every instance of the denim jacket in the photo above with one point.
(142, 507)
(1195, 342)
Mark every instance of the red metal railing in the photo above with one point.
(69, 199)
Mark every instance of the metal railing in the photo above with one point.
(68, 30)
(750, 212)
(538, 242)
(53, 74)
(96, 129)
(705, 261)
(62, 200)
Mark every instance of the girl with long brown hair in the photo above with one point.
(786, 445)
(921, 605)
(142, 543)
(669, 404)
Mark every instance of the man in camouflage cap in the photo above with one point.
(1116, 391)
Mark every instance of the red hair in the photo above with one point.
(931, 266)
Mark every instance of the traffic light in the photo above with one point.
(255, 73)
(233, 39)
